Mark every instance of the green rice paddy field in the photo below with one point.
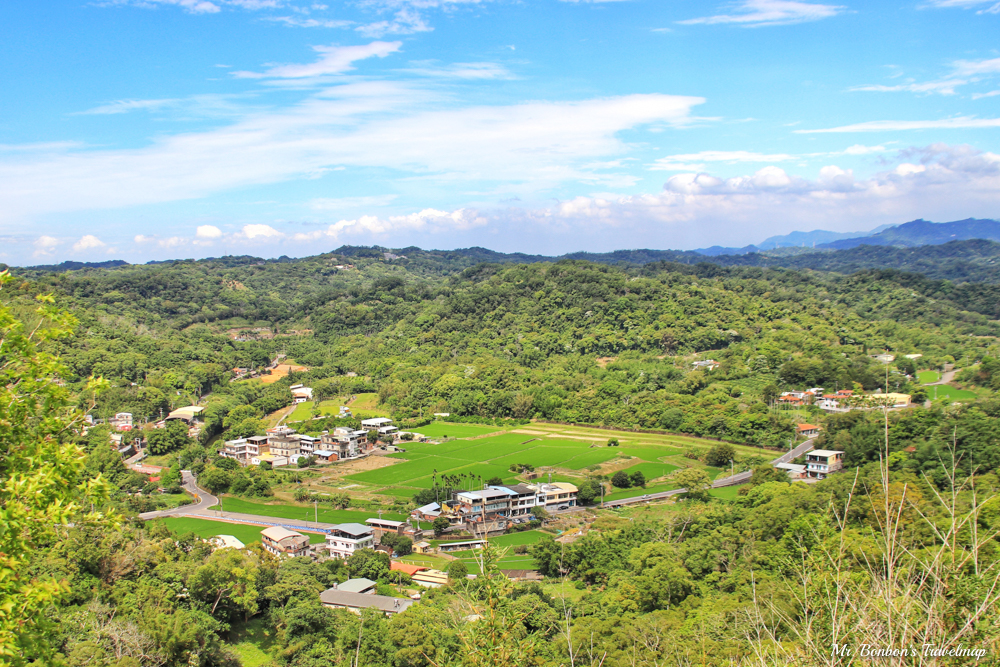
(303, 512)
(492, 456)
(204, 528)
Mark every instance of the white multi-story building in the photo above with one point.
(484, 505)
(554, 495)
(346, 538)
(822, 462)
(523, 499)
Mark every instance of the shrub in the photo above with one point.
(621, 480)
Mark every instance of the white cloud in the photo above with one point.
(959, 122)
(967, 4)
(87, 242)
(337, 204)
(428, 220)
(976, 67)
(755, 13)
(125, 106)
(696, 210)
(208, 232)
(532, 146)
(691, 161)
(191, 6)
(300, 22)
(462, 70)
(260, 232)
(992, 93)
(940, 87)
(333, 60)
(963, 72)
(406, 22)
(45, 245)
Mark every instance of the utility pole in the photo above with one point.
(732, 468)
(316, 511)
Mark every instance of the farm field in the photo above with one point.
(652, 470)
(301, 412)
(947, 391)
(514, 539)
(302, 512)
(725, 493)
(486, 451)
(205, 528)
(640, 491)
(928, 376)
(446, 429)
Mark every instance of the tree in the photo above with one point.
(170, 438)
(216, 480)
(766, 473)
(457, 570)
(720, 455)
(638, 479)
(228, 581)
(613, 442)
(694, 480)
(440, 525)
(539, 513)
(585, 494)
(341, 500)
(621, 480)
(369, 564)
(301, 494)
(42, 473)
(494, 481)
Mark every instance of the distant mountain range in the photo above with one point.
(815, 238)
(923, 232)
(961, 251)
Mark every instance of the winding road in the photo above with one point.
(732, 480)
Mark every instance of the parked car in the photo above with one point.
(563, 507)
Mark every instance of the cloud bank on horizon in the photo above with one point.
(283, 127)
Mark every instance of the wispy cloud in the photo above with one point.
(342, 203)
(301, 22)
(532, 146)
(333, 60)
(963, 72)
(125, 106)
(961, 122)
(406, 22)
(693, 161)
(88, 242)
(428, 220)
(757, 13)
(461, 70)
(994, 7)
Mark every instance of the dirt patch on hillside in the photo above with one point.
(282, 370)
(604, 361)
(367, 463)
(529, 432)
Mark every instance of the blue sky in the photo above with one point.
(153, 129)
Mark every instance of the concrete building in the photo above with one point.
(284, 446)
(283, 542)
(483, 505)
(523, 499)
(822, 462)
(552, 496)
(807, 430)
(362, 585)
(346, 538)
(356, 602)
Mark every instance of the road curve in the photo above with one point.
(732, 480)
(203, 500)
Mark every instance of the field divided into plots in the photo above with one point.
(480, 454)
